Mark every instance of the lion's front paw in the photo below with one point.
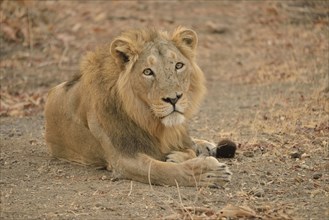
(209, 172)
(180, 156)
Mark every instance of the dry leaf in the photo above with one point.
(76, 27)
(200, 210)
(100, 17)
(65, 37)
(236, 212)
(21, 104)
(9, 32)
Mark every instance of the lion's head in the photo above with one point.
(159, 80)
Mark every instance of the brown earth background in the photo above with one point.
(267, 70)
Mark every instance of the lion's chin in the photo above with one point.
(173, 119)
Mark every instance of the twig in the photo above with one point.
(29, 26)
(63, 54)
(78, 214)
(131, 188)
(47, 63)
(149, 175)
(181, 201)
(156, 193)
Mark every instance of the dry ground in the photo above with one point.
(266, 63)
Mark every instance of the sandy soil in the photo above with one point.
(266, 65)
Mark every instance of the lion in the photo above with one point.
(127, 111)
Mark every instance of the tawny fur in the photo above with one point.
(115, 116)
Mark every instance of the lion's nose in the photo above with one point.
(173, 100)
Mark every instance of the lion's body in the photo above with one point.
(127, 109)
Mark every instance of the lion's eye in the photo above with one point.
(148, 72)
(179, 65)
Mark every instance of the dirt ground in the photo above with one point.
(266, 64)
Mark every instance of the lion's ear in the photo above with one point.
(185, 36)
(121, 51)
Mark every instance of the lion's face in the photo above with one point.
(161, 80)
(160, 75)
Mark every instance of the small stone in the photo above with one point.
(114, 179)
(304, 155)
(215, 28)
(98, 205)
(104, 177)
(268, 173)
(317, 176)
(258, 192)
(296, 155)
(304, 166)
(248, 154)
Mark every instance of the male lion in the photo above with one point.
(128, 108)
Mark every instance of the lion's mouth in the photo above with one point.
(169, 115)
(173, 119)
(173, 112)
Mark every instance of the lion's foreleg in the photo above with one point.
(145, 169)
(180, 156)
(200, 171)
